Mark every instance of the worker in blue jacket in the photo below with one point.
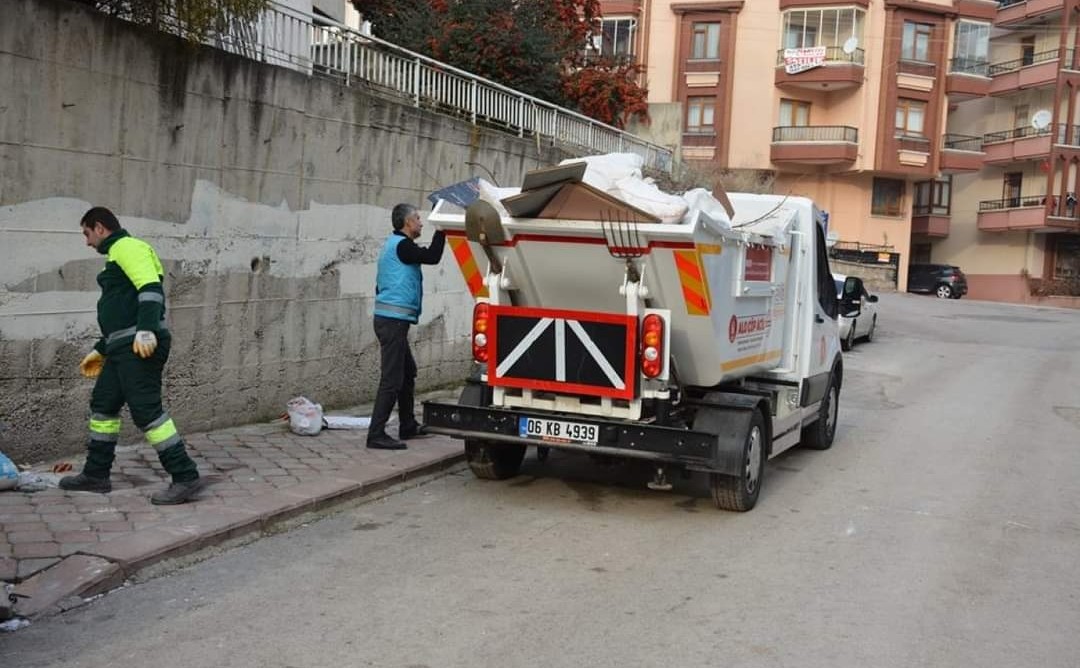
(399, 289)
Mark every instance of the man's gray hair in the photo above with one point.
(400, 214)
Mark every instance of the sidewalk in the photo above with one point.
(61, 547)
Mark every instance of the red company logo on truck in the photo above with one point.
(739, 327)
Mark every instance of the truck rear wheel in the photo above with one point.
(740, 493)
(493, 462)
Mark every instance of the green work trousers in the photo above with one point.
(128, 379)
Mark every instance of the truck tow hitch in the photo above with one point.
(660, 482)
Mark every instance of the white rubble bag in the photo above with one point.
(305, 416)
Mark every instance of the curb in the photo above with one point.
(73, 580)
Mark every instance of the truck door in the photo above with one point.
(825, 331)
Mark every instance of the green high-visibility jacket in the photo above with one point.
(132, 294)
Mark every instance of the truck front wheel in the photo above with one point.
(820, 434)
(493, 462)
(740, 493)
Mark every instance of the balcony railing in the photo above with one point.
(833, 54)
(289, 38)
(1017, 133)
(962, 142)
(1035, 58)
(920, 67)
(913, 143)
(1012, 202)
(821, 133)
(930, 210)
(969, 66)
(1007, 3)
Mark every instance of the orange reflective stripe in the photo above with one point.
(467, 263)
(694, 287)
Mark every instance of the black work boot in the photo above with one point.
(384, 442)
(85, 483)
(413, 433)
(176, 493)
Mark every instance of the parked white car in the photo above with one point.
(858, 310)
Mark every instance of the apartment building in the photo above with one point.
(900, 117)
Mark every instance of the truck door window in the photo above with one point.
(826, 288)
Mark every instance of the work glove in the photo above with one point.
(90, 366)
(145, 343)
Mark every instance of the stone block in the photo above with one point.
(76, 575)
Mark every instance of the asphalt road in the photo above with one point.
(942, 529)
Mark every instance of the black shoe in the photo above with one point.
(415, 433)
(384, 442)
(176, 493)
(85, 483)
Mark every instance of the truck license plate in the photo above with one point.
(557, 431)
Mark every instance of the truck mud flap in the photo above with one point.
(693, 449)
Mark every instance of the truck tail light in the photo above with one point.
(480, 321)
(652, 345)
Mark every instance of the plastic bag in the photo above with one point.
(9, 473)
(305, 416)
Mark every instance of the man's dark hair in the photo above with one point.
(400, 213)
(100, 214)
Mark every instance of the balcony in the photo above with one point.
(1012, 213)
(913, 150)
(838, 71)
(961, 153)
(930, 221)
(968, 79)
(1024, 143)
(814, 145)
(1018, 13)
(1032, 71)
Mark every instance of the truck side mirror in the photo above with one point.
(872, 299)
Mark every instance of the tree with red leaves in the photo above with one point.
(536, 47)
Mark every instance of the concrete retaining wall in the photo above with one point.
(265, 192)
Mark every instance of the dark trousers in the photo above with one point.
(128, 379)
(397, 377)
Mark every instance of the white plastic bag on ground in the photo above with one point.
(9, 473)
(305, 416)
(346, 422)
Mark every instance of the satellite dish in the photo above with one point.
(850, 44)
(1040, 120)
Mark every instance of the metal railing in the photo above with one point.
(913, 143)
(1018, 133)
(1035, 58)
(283, 36)
(969, 66)
(822, 133)
(930, 210)
(919, 67)
(833, 54)
(1064, 208)
(1017, 202)
(1007, 3)
(953, 142)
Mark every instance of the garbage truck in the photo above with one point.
(697, 333)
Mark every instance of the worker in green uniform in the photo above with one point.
(128, 360)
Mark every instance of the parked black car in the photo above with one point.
(944, 280)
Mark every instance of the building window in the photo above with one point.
(916, 42)
(699, 115)
(888, 197)
(971, 52)
(821, 27)
(705, 44)
(932, 197)
(1067, 258)
(1027, 51)
(616, 38)
(909, 117)
(794, 113)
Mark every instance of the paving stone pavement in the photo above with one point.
(241, 467)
